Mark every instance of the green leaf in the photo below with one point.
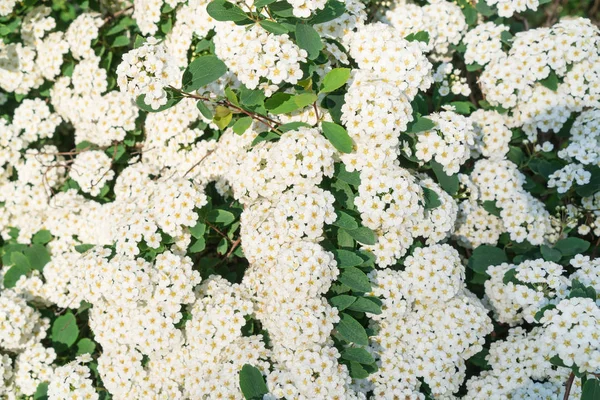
(82, 248)
(252, 383)
(550, 254)
(333, 9)
(483, 8)
(120, 41)
(206, 113)
(346, 258)
(202, 71)
(551, 82)
(265, 137)
(250, 97)
(363, 235)
(282, 9)
(338, 136)
(357, 354)
(474, 67)
(345, 221)
(222, 117)
(421, 36)
(371, 305)
(86, 345)
(42, 237)
(506, 37)
(273, 27)
(593, 186)
(540, 314)
(262, 3)
(591, 389)
(41, 392)
(198, 230)
(342, 301)
(355, 279)
(242, 125)
(292, 126)
(65, 330)
(285, 103)
(463, 107)
(572, 246)
(335, 79)
(420, 125)
(14, 273)
(432, 200)
(172, 99)
(38, 256)
(222, 10)
(220, 216)
(351, 330)
(198, 246)
(490, 207)
(308, 39)
(352, 178)
(484, 256)
(357, 371)
(448, 182)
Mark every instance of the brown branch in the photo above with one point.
(568, 386)
(118, 14)
(234, 245)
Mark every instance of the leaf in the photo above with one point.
(262, 3)
(41, 392)
(120, 41)
(338, 136)
(484, 9)
(571, 246)
(202, 71)
(198, 246)
(222, 10)
(421, 36)
(335, 79)
(551, 82)
(242, 125)
(371, 305)
(448, 182)
(346, 258)
(252, 383)
(250, 97)
(220, 216)
(206, 113)
(420, 125)
(363, 235)
(352, 178)
(490, 207)
(85, 345)
(265, 137)
(308, 39)
(591, 389)
(351, 330)
(593, 186)
(484, 256)
(474, 67)
(198, 230)
(65, 330)
(285, 103)
(540, 314)
(38, 256)
(292, 126)
(357, 354)
(355, 279)
(222, 117)
(357, 371)
(172, 99)
(82, 248)
(333, 9)
(432, 200)
(463, 107)
(345, 221)
(273, 27)
(42, 237)
(11, 277)
(342, 301)
(550, 254)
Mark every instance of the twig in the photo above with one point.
(118, 14)
(568, 386)
(234, 245)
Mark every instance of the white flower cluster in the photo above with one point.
(147, 13)
(564, 178)
(484, 43)
(72, 381)
(7, 6)
(92, 170)
(584, 141)
(491, 133)
(567, 50)
(442, 20)
(146, 71)
(451, 80)
(427, 315)
(254, 54)
(506, 8)
(80, 34)
(539, 283)
(449, 143)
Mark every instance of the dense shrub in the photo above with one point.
(299, 199)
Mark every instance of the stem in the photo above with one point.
(568, 386)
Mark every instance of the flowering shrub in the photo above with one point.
(277, 199)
